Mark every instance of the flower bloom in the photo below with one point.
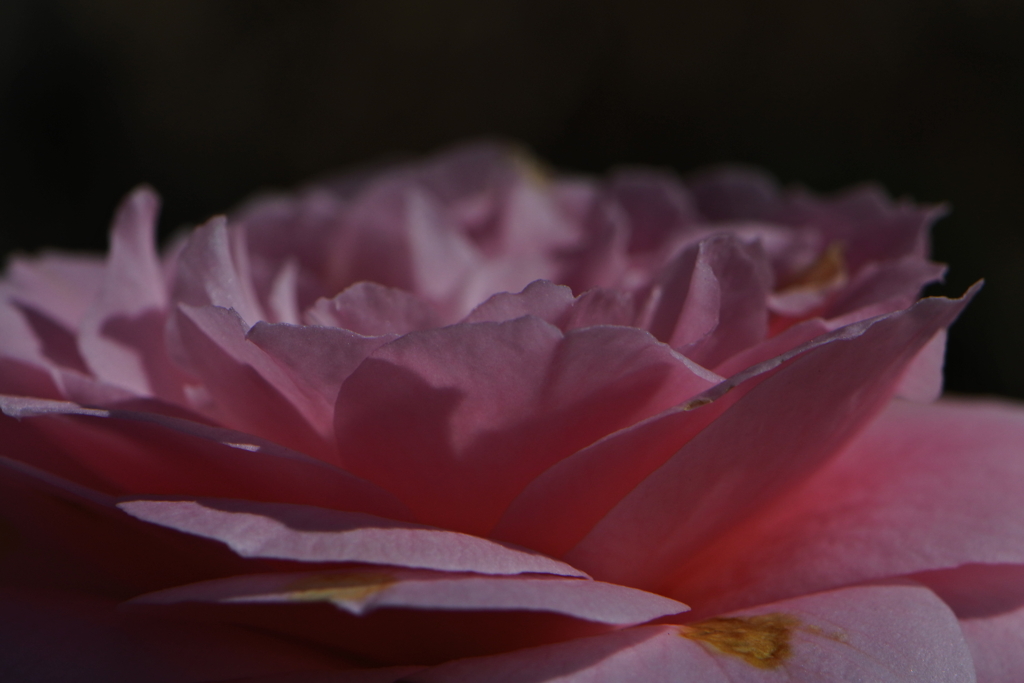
(460, 420)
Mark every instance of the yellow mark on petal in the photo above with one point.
(338, 587)
(828, 272)
(697, 403)
(761, 641)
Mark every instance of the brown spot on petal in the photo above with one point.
(338, 587)
(761, 641)
(828, 272)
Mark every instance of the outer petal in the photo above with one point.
(924, 487)
(309, 534)
(897, 634)
(123, 452)
(402, 616)
(773, 438)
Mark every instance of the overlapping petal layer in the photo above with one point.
(463, 419)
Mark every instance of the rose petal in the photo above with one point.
(401, 616)
(309, 534)
(320, 358)
(250, 391)
(149, 453)
(361, 591)
(213, 269)
(122, 336)
(771, 439)
(555, 304)
(62, 286)
(899, 634)
(370, 309)
(923, 487)
(456, 421)
(711, 303)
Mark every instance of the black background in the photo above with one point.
(210, 100)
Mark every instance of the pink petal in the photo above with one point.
(124, 452)
(898, 634)
(771, 439)
(555, 304)
(712, 304)
(250, 391)
(899, 281)
(74, 638)
(362, 591)
(122, 335)
(404, 616)
(61, 286)
(655, 204)
(213, 269)
(319, 358)
(923, 487)
(370, 309)
(456, 421)
(308, 534)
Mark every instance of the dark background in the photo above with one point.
(209, 100)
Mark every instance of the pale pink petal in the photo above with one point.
(405, 616)
(771, 439)
(370, 309)
(363, 590)
(250, 391)
(125, 452)
(309, 534)
(321, 358)
(925, 486)
(897, 634)
(456, 421)
(555, 304)
(61, 286)
(122, 336)
(77, 638)
(542, 299)
(988, 599)
(551, 516)
(711, 301)
(922, 380)
(213, 270)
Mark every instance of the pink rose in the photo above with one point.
(463, 421)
